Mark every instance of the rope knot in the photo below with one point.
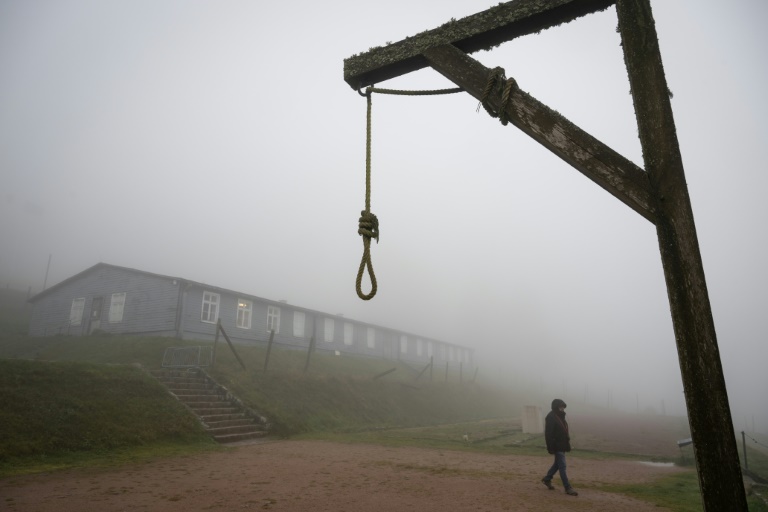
(498, 84)
(368, 228)
(368, 225)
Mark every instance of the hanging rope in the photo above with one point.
(368, 225)
(498, 83)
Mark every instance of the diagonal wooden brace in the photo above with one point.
(613, 172)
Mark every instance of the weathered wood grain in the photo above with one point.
(616, 174)
(480, 31)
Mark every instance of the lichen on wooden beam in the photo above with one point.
(598, 162)
(481, 31)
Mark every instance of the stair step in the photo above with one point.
(190, 382)
(199, 406)
(239, 422)
(188, 385)
(225, 421)
(178, 375)
(241, 429)
(199, 398)
(214, 418)
(214, 411)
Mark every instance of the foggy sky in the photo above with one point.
(218, 142)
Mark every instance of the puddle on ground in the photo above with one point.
(657, 464)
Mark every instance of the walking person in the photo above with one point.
(558, 442)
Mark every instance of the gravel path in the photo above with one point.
(294, 476)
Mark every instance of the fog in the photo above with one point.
(218, 142)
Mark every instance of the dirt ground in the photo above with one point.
(296, 475)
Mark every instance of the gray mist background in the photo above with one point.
(217, 141)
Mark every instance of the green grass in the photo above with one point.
(340, 394)
(63, 413)
(147, 351)
(80, 397)
(756, 460)
(678, 492)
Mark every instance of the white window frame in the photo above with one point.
(210, 309)
(403, 344)
(299, 321)
(76, 311)
(244, 313)
(328, 328)
(273, 319)
(371, 337)
(349, 333)
(117, 307)
(419, 345)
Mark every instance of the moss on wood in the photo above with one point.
(481, 31)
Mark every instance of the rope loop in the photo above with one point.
(366, 262)
(494, 83)
(368, 225)
(368, 228)
(509, 86)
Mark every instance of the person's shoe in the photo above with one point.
(548, 483)
(571, 491)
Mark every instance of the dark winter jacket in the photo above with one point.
(556, 429)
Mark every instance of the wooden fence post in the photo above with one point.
(423, 370)
(310, 349)
(380, 375)
(229, 342)
(215, 342)
(269, 349)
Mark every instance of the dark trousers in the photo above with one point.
(559, 465)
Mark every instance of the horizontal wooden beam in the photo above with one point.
(613, 172)
(481, 31)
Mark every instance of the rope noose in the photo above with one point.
(368, 226)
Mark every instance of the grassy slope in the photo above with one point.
(340, 392)
(52, 410)
(68, 407)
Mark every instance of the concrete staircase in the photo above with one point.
(224, 417)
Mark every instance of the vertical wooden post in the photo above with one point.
(269, 349)
(446, 371)
(461, 371)
(431, 364)
(709, 416)
(310, 349)
(744, 448)
(216, 342)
